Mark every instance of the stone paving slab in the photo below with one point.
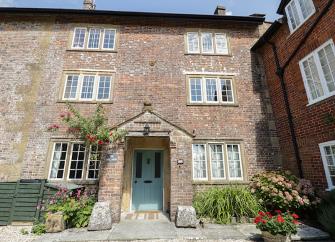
(164, 231)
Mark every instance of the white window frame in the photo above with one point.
(300, 15)
(224, 161)
(315, 56)
(212, 51)
(88, 38)
(88, 165)
(94, 87)
(331, 186)
(241, 163)
(206, 161)
(69, 165)
(204, 90)
(97, 88)
(65, 84)
(74, 35)
(103, 40)
(200, 43)
(51, 161)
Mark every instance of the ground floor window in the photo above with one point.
(328, 157)
(74, 161)
(217, 161)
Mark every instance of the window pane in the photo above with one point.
(217, 162)
(207, 42)
(196, 89)
(157, 165)
(71, 87)
(327, 60)
(79, 38)
(330, 159)
(77, 161)
(221, 44)
(293, 16)
(94, 162)
(234, 162)
(58, 161)
(227, 91)
(193, 42)
(306, 7)
(109, 38)
(199, 162)
(87, 88)
(313, 78)
(94, 38)
(104, 87)
(211, 90)
(138, 165)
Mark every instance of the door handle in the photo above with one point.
(147, 181)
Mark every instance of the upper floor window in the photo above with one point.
(74, 161)
(94, 39)
(211, 90)
(217, 161)
(298, 11)
(88, 87)
(318, 71)
(328, 157)
(207, 43)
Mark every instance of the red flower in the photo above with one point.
(111, 133)
(100, 142)
(295, 222)
(263, 221)
(258, 219)
(261, 213)
(278, 211)
(269, 214)
(296, 216)
(280, 219)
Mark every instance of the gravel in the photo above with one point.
(14, 234)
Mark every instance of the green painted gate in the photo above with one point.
(19, 201)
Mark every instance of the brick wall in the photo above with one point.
(309, 121)
(37, 54)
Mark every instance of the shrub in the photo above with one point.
(283, 191)
(221, 204)
(280, 223)
(326, 213)
(38, 228)
(77, 208)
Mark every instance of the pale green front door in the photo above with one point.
(147, 188)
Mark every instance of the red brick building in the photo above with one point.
(299, 59)
(186, 88)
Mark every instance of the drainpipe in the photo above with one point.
(280, 73)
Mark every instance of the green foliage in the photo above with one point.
(24, 231)
(281, 190)
(93, 129)
(284, 224)
(221, 204)
(38, 228)
(326, 213)
(76, 208)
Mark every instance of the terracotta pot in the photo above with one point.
(268, 237)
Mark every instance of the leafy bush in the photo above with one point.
(77, 208)
(281, 190)
(38, 228)
(221, 204)
(326, 213)
(280, 223)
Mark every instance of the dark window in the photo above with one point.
(139, 165)
(157, 165)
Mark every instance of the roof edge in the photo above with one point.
(246, 19)
(282, 6)
(267, 35)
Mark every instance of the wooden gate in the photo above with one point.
(19, 201)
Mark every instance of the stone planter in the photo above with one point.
(268, 237)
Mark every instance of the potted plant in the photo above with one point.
(278, 227)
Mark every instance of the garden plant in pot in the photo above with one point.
(277, 227)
